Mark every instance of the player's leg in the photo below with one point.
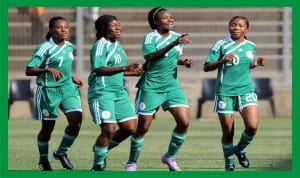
(224, 106)
(101, 146)
(249, 113)
(46, 111)
(178, 136)
(71, 106)
(146, 105)
(43, 141)
(178, 106)
(227, 125)
(70, 135)
(103, 113)
(126, 119)
(137, 141)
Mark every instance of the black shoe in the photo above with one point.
(44, 166)
(243, 160)
(97, 168)
(229, 167)
(65, 162)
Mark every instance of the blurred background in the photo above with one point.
(270, 29)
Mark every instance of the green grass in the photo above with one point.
(271, 149)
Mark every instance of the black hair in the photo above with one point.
(240, 17)
(101, 25)
(52, 22)
(152, 16)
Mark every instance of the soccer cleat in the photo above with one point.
(229, 167)
(171, 162)
(44, 165)
(97, 168)
(130, 167)
(243, 160)
(65, 162)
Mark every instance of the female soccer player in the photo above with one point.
(234, 57)
(57, 88)
(159, 86)
(108, 100)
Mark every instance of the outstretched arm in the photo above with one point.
(158, 54)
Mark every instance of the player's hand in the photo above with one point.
(188, 63)
(56, 74)
(229, 58)
(77, 81)
(262, 61)
(183, 39)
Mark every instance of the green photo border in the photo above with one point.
(5, 4)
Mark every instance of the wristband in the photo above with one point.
(256, 63)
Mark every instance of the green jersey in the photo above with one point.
(161, 74)
(106, 54)
(50, 55)
(233, 77)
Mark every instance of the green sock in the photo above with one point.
(244, 142)
(113, 144)
(43, 149)
(65, 144)
(176, 141)
(100, 155)
(228, 153)
(135, 149)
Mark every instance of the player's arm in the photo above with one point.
(210, 66)
(160, 53)
(34, 71)
(129, 70)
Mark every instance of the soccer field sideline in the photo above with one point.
(270, 150)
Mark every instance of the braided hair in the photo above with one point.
(52, 22)
(152, 16)
(101, 25)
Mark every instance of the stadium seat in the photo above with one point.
(208, 93)
(21, 90)
(264, 91)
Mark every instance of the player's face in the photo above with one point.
(60, 30)
(115, 29)
(165, 21)
(238, 29)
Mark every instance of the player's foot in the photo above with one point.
(64, 160)
(44, 165)
(97, 168)
(171, 162)
(104, 166)
(130, 167)
(229, 167)
(243, 160)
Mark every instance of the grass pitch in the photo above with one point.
(271, 149)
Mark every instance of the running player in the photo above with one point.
(108, 100)
(234, 57)
(159, 86)
(57, 88)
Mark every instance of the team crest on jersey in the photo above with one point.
(142, 106)
(105, 114)
(249, 54)
(71, 55)
(222, 105)
(45, 112)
